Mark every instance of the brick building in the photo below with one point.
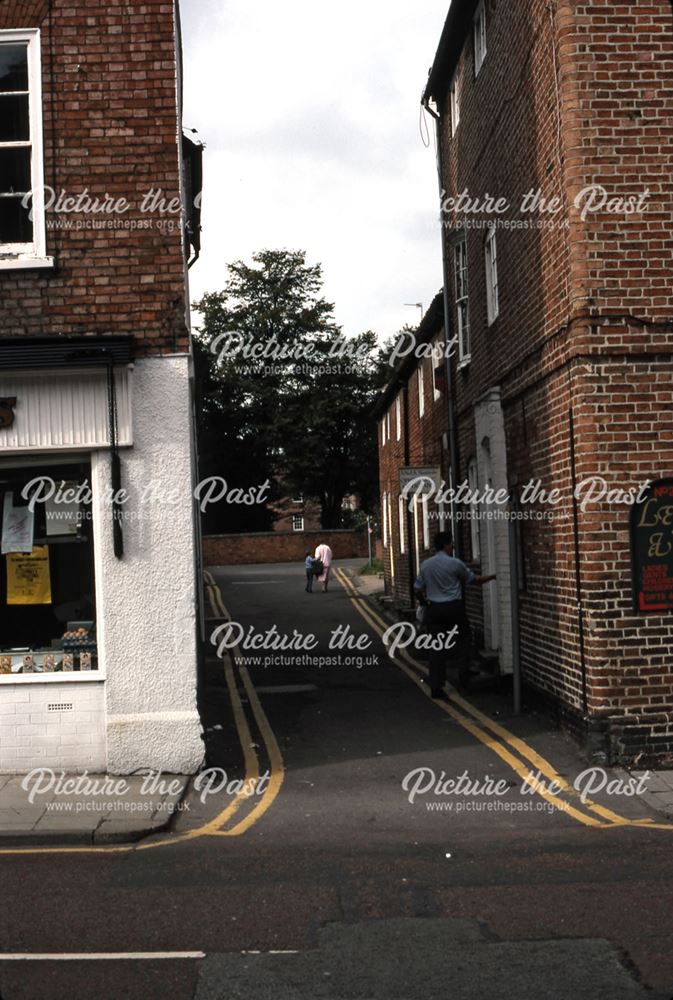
(561, 307)
(97, 224)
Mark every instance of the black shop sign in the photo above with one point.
(652, 549)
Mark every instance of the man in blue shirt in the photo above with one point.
(440, 587)
(308, 564)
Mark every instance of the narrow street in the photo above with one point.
(332, 884)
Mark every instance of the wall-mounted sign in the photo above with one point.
(7, 404)
(652, 549)
(420, 481)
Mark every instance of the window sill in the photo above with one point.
(26, 263)
(57, 677)
(465, 363)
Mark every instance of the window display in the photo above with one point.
(47, 599)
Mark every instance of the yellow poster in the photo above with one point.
(28, 578)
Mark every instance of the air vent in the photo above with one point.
(62, 707)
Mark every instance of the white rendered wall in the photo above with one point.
(146, 603)
(490, 426)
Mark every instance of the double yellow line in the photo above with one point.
(217, 827)
(510, 748)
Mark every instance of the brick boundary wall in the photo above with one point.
(280, 546)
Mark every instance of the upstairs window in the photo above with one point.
(462, 305)
(297, 523)
(455, 102)
(420, 375)
(398, 418)
(491, 263)
(437, 359)
(479, 37)
(22, 222)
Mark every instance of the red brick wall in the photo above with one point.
(568, 98)
(110, 125)
(277, 546)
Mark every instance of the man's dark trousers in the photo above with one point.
(440, 619)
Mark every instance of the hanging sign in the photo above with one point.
(17, 527)
(28, 577)
(652, 549)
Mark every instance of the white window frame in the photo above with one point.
(491, 266)
(417, 548)
(420, 379)
(383, 432)
(480, 47)
(398, 417)
(460, 271)
(297, 518)
(426, 522)
(454, 95)
(388, 425)
(385, 520)
(473, 484)
(436, 361)
(15, 256)
(401, 516)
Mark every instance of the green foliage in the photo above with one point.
(297, 411)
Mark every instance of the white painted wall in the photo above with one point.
(52, 724)
(146, 601)
(490, 428)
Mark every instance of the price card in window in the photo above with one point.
(28, 577)
(17, 527)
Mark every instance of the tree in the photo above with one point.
(284, 396)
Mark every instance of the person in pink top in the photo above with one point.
(324, 554)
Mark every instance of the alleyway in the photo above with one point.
(332, 884)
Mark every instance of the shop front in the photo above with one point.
(84, 680)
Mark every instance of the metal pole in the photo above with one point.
(369, 540)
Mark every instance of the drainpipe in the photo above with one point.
(578, 576)
(453, 436)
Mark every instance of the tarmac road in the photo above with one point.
(332, 883)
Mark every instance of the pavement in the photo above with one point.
(62, 808)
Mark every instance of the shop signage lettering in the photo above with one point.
(652, 548)
(7, 404)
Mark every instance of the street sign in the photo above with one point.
(652, 549)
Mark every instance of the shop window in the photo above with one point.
(47, 596)
(22, 214)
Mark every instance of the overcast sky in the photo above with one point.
(310, 113)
